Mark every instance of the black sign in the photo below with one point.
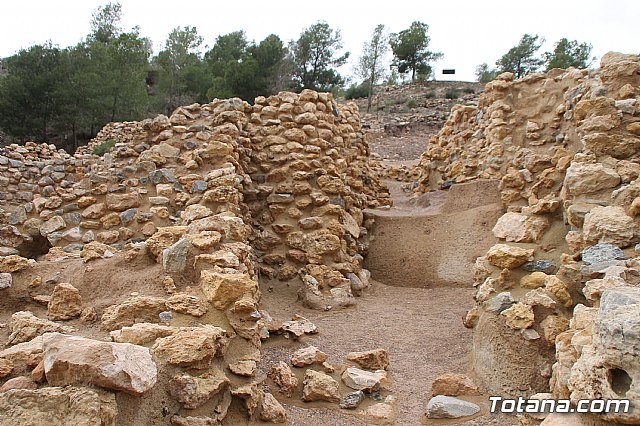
(451, 71)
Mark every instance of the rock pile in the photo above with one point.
(553, 295)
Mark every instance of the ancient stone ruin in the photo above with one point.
(132, 272)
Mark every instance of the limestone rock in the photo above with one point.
(65, 303)
(119, 366)
(271, 410)
(122, 202)
(376, 359)
(57, 406)
(506, 256)
(284, 378)
(319, 387)
(520, 228)
(359, 379)
(609, 225)
(380, 412)
(187, 304)
(451, 384)
(192, 346)
(519, 316)
(223, 289)
(584, 178)
(56, 223)
(13, 263)
(446, 407)
(25, 326)
(192, 392)
(246, 368)
(142, 333)
(96, 250)
(307, 356)
(299, 326)
(131, 311)
(533, 280)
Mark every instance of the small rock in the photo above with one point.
(352, 400)
(319, 387)
(21, 382)
(271, 410)
(65, 303)
(376, 359)
(284, 378)
(245, 368)
(192, 392)
(453, 385)
(368, 381)
(446, 407)
(307, 356)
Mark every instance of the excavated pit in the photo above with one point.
(434, 240)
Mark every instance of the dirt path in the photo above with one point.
(420, 327)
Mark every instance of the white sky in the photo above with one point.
(467, 32)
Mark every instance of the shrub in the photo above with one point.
(357, 91)
(411, 103)
(468, 90)
(452, 93)
(430, 95)
(104, 147)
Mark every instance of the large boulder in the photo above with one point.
(223, 289)
(72, 360)
(65, 303)
(609, 224)
(58, 406)
(192, 346)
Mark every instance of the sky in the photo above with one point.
(467, 32)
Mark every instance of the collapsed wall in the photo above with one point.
(217, 196)
(557, 304)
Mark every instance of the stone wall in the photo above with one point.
(218, 196)
(556, 298)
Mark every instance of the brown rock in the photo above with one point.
(133, 310)
(223, 289)
(25, 326)
(122, 202)
(319, 387)
(506, 256)
(271, 410)
(192, 346)
(307, 356)
(187, 304)
(192, 392)
(609, 225)
(376, 359)
(6, 367)
(519, 316)
(520, 228)
(18, 383)
(533, 280)
(118, 366)
(13, 263)
(284, 378)
(453, 385)
(246, 368)
(56, 406)
(65, 303)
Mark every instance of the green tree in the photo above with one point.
(122, 61)
(315, 58)
(568, 54)
(181, 70)
(485, 74)
(30, 92)
(410, 51)
(521, 59)
(370, 65)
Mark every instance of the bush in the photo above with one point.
(469, 90)
(104, 147)
(430, 95)
(452, 93)
(411, 103)
(357, 91)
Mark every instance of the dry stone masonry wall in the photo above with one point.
(557, 303)
(217, 196)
